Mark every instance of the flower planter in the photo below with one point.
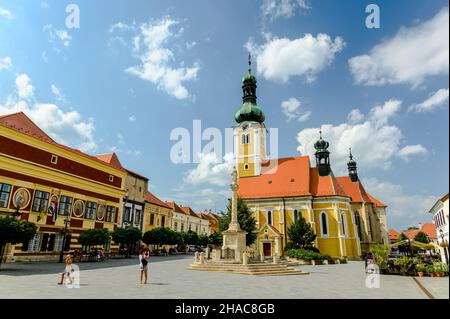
(420, 273)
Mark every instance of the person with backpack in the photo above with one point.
(144, 255)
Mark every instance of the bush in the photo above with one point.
(381, 253)
(406, 264)
(307, 255)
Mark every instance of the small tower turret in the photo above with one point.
(322, 156)
(352, 168)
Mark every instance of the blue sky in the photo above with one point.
(136, 70)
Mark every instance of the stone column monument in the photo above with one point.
(234, 236)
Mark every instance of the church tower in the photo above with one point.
(322, 156)
(250, 130)
(352, 170)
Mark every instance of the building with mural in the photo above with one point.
(54, 186)
(346, 219)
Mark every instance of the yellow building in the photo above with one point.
(278, 191)
(47, 183)
(156, 214)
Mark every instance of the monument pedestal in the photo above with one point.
(235, 241)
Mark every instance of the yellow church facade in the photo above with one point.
(345, 219)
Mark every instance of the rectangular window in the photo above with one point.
(54, 159)
(57, 246)
(33, 245)
(91, 208)
(111, 178)
(127, 214)
(65, 205)
(152, 219)
(163, 221)
(110, 210)
(40, 202)
(175, 225)
(137, 217)
(5, 190)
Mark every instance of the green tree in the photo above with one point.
(93, 237)
(301, 234)
(245, 219)
(190, 238)
(203, 240)
(401, 237)
(161, 236)
(13, 231)
(215, 239)
(381, 254)
(422, 237)
(127, 236)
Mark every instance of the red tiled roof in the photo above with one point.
(175, 207)
(354, 189)
(290, 177)
(155, 200)
(188, 211)
(22, 123)
(376, 201)
(430, 230)
(110, 158)
(393, 234)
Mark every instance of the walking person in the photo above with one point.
(68, 270)
(144, 255)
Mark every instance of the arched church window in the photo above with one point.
(269, 217)
(247, 139)
(370, 227)
(344, 224)
(358, 225)
(243, 138)
(295, 215)
(324, 224)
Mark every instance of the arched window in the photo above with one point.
(243, 138)
(324, 224)
(247, 139)
(370, 227)
(269, 217)
(358, 225)
(246, 166)
(344, 224)
(295, 215)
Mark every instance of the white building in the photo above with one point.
(440, 220)
(184, 219)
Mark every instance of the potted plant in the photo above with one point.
(439, 269)
(431, 271)
(381, 254)
(405, 264)
(421, 269)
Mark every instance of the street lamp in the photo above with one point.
(443, 244)
(64, 231)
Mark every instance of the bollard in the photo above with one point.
(202, 258)
(325, 262)
(261, 257)
(245, 258)
(275, 258)
(196, 256)
(313, 262)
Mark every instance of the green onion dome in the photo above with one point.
(249, 112)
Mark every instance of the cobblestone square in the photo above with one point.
(170, 278)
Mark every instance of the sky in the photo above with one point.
(123, 76)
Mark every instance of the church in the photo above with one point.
(345, 217)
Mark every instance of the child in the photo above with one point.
(68, 270)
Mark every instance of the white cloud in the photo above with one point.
(404, 208)
(57, 35)
(374, 142)
(60, 96)
(5, 13)
(120, 138)
(411, 56)
(66, 128)
(355, 116)
(437, 99)
(282, 8)
(412, 150)
(280, 58)
(157, 61)
(24, 89)
(5, 63)
(381, 114)
(210, 171)
(291, 108)
(132, 118)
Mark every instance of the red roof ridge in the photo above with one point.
(31, 129)
(151, 198)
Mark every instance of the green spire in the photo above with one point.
(249, 110)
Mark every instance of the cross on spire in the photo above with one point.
(249, 63)
(320, 133)
(351, 156)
